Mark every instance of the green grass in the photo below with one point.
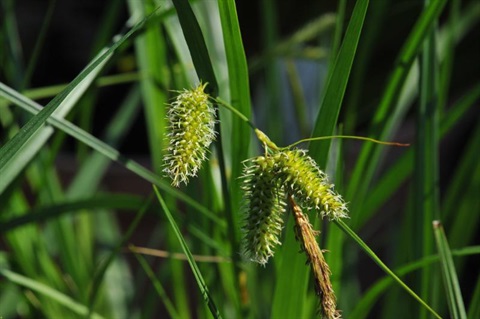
(70, 248)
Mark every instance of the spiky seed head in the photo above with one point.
(303, 179)
(264, 206)
(191, 130)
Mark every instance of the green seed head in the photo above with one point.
(191, 130)
(264, 207)
(303, 179)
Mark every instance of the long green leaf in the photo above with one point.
(370, 154)
(462, 195)
(293, 275)
(291, 279)
(397, 174)
(100, 273)
(9, 153)
(94, 167)
(373, 293)
(337, 83)
(158, 287)
(106, 150)
(426, 191)
(239, 88)
(401, 170)
(344, 227)
(151, 56)
(48, 291)
(452, 287)
(45, 213)
(196, 44)
(12, 44)
(352, 109)
(191, 261)
(40, 42)
(474, 310)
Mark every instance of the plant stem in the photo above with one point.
(244, 118)
(344, 227)
(369, 139)
(235, 111)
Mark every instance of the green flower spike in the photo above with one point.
(308, 184)
(264, 205)
(191, 131)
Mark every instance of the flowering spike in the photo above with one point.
(305, 234)
(304, 179)
(191, 131)
(264, 205)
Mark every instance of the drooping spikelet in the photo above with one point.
(191, 130)
(305, 234)
(308, 184)
(264, 207)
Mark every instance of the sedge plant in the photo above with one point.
(269, 180)
(240, 224)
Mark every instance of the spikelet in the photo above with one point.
(191, 131)
(303, 179)
(264, 208)
(305, 234)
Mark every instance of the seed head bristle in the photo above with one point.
(264, 206)
(308, 184)
(191, 130)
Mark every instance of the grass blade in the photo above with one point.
(45, 213)
(462, 195)
(344, 227)
(158, 286)
(108, 151)
(191, 261)
(370, 154)
(474, 310)
(12, 45)
(425, 185)
(100, 273)
(390, 181)
(9, 153)
(239, 88)
(373, 293)
(196, 44)
(48, 291)
(337, 83)
(293, 276)
(452, 287)
(39, 44)
(95, 166)
(151, 57)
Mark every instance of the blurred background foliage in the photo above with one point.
(68, 213)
